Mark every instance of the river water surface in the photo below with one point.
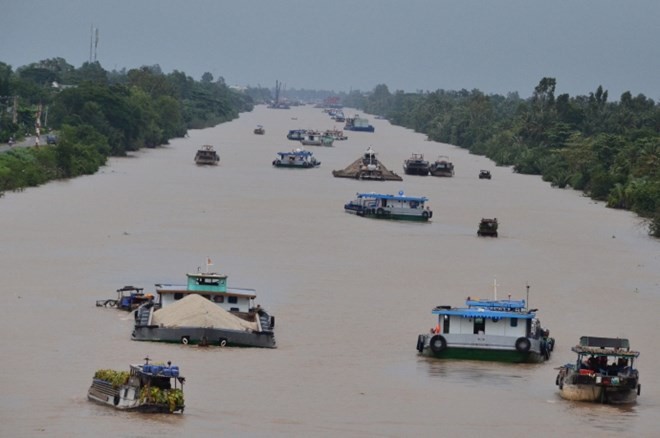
(350, 294)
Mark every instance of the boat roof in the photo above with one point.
(297, 152)
(183, 289)
(599, 346)
(477, 308)
(399, 197)
(206, 275)
(604, 351)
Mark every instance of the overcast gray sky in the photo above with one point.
(496, 46)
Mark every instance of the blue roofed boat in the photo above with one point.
(296, 134)
(492, 330)
(383, 206)
(358, 123)
(298, 158)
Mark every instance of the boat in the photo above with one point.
(367, 167)
(207, 155)
(315, 138)
(416, 165)
(128, 298)
(336, 134)
(484, 174)
(298, 158)
(490, 330)
(358, 123)
(383, 206)
(442, 167)
(259, 130)
(148, 387)
(604, 372)
(296, 134)
(488, 227)
(205, 311)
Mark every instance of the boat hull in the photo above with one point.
(486, 348)
(103, 393)
(388, 214)
(204, 336)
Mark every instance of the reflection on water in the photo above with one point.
(608, 418)
(475, 373)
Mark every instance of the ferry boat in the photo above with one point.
(442, 167)
(212, 286)
(153, 388)
(383, 206)
(297, 158)
(314, 138)
(604, 372)
(416, 165)
(207, 155)
(491, 330)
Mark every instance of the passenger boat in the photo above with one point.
(492, 330)
(234, 320)
(207, 155)
(416, 165)
(297, 158)
(128, 298)
(149, 387)
(358, 123)
(604, 372)
(382, 206)
(259, 130)
(442, 167)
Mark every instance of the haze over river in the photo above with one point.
(350, 294)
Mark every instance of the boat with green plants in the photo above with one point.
(149, 387)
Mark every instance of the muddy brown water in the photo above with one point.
(350, 294)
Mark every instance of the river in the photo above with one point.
(350, 294)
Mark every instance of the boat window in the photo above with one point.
(479, 326)
(514, 322)
(445, 324)
(232, 300)
(219, 299)
(178, 296)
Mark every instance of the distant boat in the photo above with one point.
(442, 167)
(383, 206)
(416, 165)
(259, 130)
(367, 167)
(358, 124)
(206, 155)
(297, 158)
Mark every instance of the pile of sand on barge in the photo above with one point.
(359, 170)
(196, 311)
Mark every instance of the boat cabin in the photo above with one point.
(211, 286)
(296, 158)
(489, 317)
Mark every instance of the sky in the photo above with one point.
(496, 46)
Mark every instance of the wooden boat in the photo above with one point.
(416, 165)
(484, 174)
(382, 206)
(298, 158)
(604, 372)
(442, 167)
(259, 130)
(154, 388)
(246, 325)
(491, 330)
(206, 155)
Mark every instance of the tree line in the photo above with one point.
(98, 113)
(608, 150)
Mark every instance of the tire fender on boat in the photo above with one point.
(185, 340)
(420, 343)
(380, 212)
(523, 344)
(438, 343)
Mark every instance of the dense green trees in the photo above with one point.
(609, 150)
(98, 113)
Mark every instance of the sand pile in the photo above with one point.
(196, 311)
(353, 170)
